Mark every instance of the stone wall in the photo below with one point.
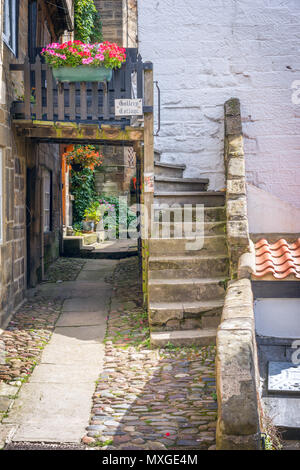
(239, 409)
(236, 202)
(237, 373)
(204, 54)
(115, 174)
(13, 248)
(112, 20)
(18, 155)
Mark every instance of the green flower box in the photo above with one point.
(82, 73)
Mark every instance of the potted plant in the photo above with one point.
(91, 217)
(83, 157)
(75, 61)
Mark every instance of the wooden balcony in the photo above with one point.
(59, 111)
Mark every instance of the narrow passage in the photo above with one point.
(98, 383)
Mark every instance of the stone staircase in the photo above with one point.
(186, 286)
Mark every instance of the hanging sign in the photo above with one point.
(128, 107)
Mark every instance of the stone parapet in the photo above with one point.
(237, 373)
(236, 201)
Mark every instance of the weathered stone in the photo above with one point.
(236, 168)
(243, 442)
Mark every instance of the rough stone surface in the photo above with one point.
(150, 399)
(247, 49)
(237, 371)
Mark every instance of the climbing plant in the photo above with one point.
(83, 189)
(88, 26)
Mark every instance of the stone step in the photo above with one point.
(168, 169)
(215, 244)
(176, 316)
(166, 184)
(90, 238)
(181, 267)
(180, 290)
(208, 198)
(179, 230)
(205, 337)
(211, 214)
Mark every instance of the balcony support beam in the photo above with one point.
(70, 131)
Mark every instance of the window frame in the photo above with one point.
(11, 18)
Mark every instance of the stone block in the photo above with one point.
(236, 383)
(248, 442)
(236, 168)
(237, 208)
(236, 187)
(237, 232)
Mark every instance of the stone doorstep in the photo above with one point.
(161, 313)
(215, 244)
(211, 214)
(205, 337)
(208, 198)
(172, 267)
(184, 229)
(181, 289)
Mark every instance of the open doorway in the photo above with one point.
(100, 196)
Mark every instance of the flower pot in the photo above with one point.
(88, 226)
(82, 73)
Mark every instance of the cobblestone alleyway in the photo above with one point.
(97, 383)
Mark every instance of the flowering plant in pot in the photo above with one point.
(83, 157)
(75, 61)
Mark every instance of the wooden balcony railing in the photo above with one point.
(45, 99)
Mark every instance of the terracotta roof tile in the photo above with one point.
(281, 259)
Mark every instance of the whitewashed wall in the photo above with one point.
(205, 52)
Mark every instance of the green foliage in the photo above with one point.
(116, 214)
(92, 212)
(83, 189)
(88, 27)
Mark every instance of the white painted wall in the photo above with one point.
(269, 214)
(205, 52)
(277, 317)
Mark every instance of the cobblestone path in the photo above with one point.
(143, 398)
(149, 399)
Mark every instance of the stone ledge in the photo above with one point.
(236, 208)
(237, 371)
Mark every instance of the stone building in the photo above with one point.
(30, 187)
(205, 53)
(119, 24)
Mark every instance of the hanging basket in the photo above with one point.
(77, 167)
(82, 73)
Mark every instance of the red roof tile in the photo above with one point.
(280, 259)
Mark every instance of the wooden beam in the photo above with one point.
(147, 171)
(62, 131)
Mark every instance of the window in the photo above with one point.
(47, 184)
(1, 199)
(10, 24)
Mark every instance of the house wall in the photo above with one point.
(112, 20)
(18, 156)
(207, 52)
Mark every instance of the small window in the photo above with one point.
(10, 24)
(1, 198)
(47, 183)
